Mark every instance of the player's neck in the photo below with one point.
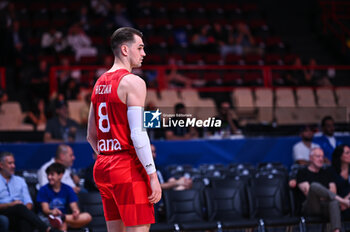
(120, 64)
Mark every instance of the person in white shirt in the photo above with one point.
(64, 156)
(301, 150)
(80, 42)
(53, 41)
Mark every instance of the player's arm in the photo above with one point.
(135, 99)
(91, 130)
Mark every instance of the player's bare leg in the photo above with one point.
(115, 226)
(140, 228)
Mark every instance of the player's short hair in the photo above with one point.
(325, 119)
(4, 154)
(55, 168)
(123, 35)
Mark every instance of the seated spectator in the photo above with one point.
(101, 7)
(229, 121)
(89, 182)
(71, 89)
(289, 80)
(297, 75)
(319, 191)
(20, 41)
(119, 16)
(341, 168)
(57, 198)
(65, 74)
(301, 150)
(202, 41)
(39, 82)
(83, 18)
(181, 183)
(15, 200)
(176, 79)
(311, 75)
(328, 142)
(37, 115)
(177, 132)
(61, 128)
(80, 42)
(65, 156)
(51, 111)
(53, 42)
(245, 40)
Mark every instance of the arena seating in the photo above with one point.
(246, 197)
(92, 203)
(288, 106)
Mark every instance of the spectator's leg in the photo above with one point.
(82, 220)
(24, 226)
(322, 191)
(332, 210)
(22, 212)
(4, 223)
(312, 205)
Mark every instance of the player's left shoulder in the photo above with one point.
(132, 81)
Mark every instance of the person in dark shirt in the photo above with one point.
(177, 132)
(340, 168)
(61, 128)
(319, 189)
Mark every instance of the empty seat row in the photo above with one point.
(264, 201)
(289, 106)
(195, 105)
(287, 97)
(11, 117)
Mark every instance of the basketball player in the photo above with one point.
(123, 147)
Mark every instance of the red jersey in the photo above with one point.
(113, 132)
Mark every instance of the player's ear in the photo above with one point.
(124, 49)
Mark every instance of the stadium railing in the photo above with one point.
(253, 75)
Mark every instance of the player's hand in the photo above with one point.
(156, 189)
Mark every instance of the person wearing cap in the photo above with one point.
(301, 150)
(61, 128)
